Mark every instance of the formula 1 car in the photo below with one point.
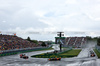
(92, 54)
(23, 56)
(54, 59)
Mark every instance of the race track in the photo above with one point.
(14, 60)
(83, 59)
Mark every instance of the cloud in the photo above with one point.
(71, 2)
(3, 21)
(49, 15)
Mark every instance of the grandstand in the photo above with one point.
(75, 41)
(11, 42)
(70, 41)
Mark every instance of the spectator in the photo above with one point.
(9, 42)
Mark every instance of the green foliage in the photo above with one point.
(43, 44)
(96, 38)
(34, 41)
(72, 52)
(89, 37)
(28, 38)
(98, 41)
(97, 53)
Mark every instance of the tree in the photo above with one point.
(34, 41)
(28, 38)
(89, 37)
(98, 41)
(43, 44)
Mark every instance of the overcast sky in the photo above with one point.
(21, 16)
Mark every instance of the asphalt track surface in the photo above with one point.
(83, 59)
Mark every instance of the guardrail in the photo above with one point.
(24, 50)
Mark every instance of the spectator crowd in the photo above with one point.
(10, 42)
(75, 41)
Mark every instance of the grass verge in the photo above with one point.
(97, 52)
(66, 54)
(72, 52)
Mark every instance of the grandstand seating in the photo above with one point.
(9, 42)
(75, 41)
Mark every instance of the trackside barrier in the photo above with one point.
(20, 51)
(97, 48)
